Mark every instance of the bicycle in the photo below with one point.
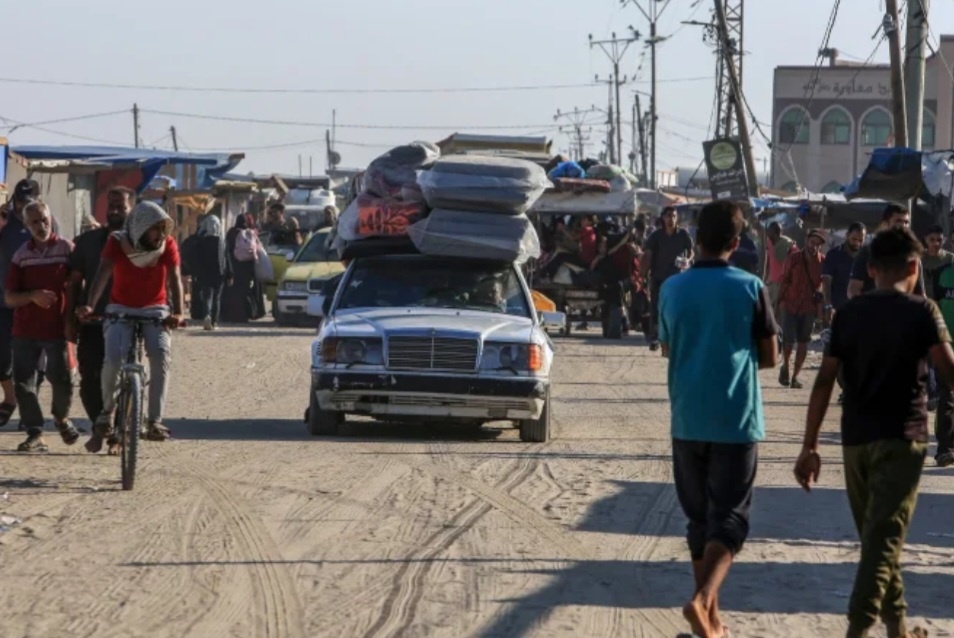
(133, 380)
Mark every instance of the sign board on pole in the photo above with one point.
(727, 179)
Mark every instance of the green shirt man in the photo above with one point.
(944, 423)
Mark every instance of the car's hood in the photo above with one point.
(312, 270)
(486, 325)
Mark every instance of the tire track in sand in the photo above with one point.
(399, 609)
(274, 584)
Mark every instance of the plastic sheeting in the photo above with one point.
(476, 235)
(394, 174)
(483, 184)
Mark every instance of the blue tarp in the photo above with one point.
(892, 174)
(212, 165)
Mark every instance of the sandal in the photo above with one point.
(34, 443)
(68, 433)
(6, 412)
(156, 432)
(102, 429)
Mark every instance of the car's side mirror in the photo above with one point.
(289, 255)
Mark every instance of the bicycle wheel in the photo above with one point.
(129, 424)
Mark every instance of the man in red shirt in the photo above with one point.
(36, 289)
(588, 241)
(800, 296)
(143, 262)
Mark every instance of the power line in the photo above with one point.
(76, 118)
(63, 133)
(813, 83)
(335, 91)
(426, 127)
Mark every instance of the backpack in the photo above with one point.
(246, 246)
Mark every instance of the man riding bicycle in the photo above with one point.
(143, 262)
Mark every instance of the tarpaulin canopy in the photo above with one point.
(893, 174)
(149, 161)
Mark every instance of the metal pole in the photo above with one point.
(642, 143)
(891, 29)
(652, 106)
(175, 140)
(737, 100)
(633, 142)
(915, 49)
(619, 114)
(136, 124)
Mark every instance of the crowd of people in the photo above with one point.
(882, 366)
(61, 300)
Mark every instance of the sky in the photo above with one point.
(385, 45)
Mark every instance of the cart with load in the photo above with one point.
(580, 291)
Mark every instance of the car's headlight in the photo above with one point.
(352, 351)
(512, 356)
(295, 286)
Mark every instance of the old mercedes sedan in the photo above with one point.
(412, 338)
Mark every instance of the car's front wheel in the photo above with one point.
(537, 430)
(322, 422)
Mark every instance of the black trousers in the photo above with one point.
(714, 484)
(26, 354)
(90, 353)
(211, 296)
(6, 344)
(654, 287)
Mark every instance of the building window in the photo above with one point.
(876, 128)
(927, 130)
(793, 128)
(836, 127)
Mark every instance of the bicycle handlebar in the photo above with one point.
(129, 318)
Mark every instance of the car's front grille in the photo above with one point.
(432, 353)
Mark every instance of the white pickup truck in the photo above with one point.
(411, 338)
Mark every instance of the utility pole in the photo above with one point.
(615, 49)
(640, 127)
(610, 123)
(652, 12)
(175, 141)
(634, 140)
(915, 50)
(734, 11)
(891, 27)
(136, 124)
(576, 129)
(737, 100)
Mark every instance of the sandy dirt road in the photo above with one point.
(244, 526)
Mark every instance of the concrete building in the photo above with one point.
(823, 135)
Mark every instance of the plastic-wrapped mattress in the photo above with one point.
(476, 235)
(483, 184)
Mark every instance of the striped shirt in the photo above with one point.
(40, 267)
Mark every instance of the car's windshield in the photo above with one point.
(435, 283)
(316, 250)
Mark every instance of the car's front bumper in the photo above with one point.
(291, 302)
(389, 394)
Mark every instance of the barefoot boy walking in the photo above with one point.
(717, 329)
(884, 427)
